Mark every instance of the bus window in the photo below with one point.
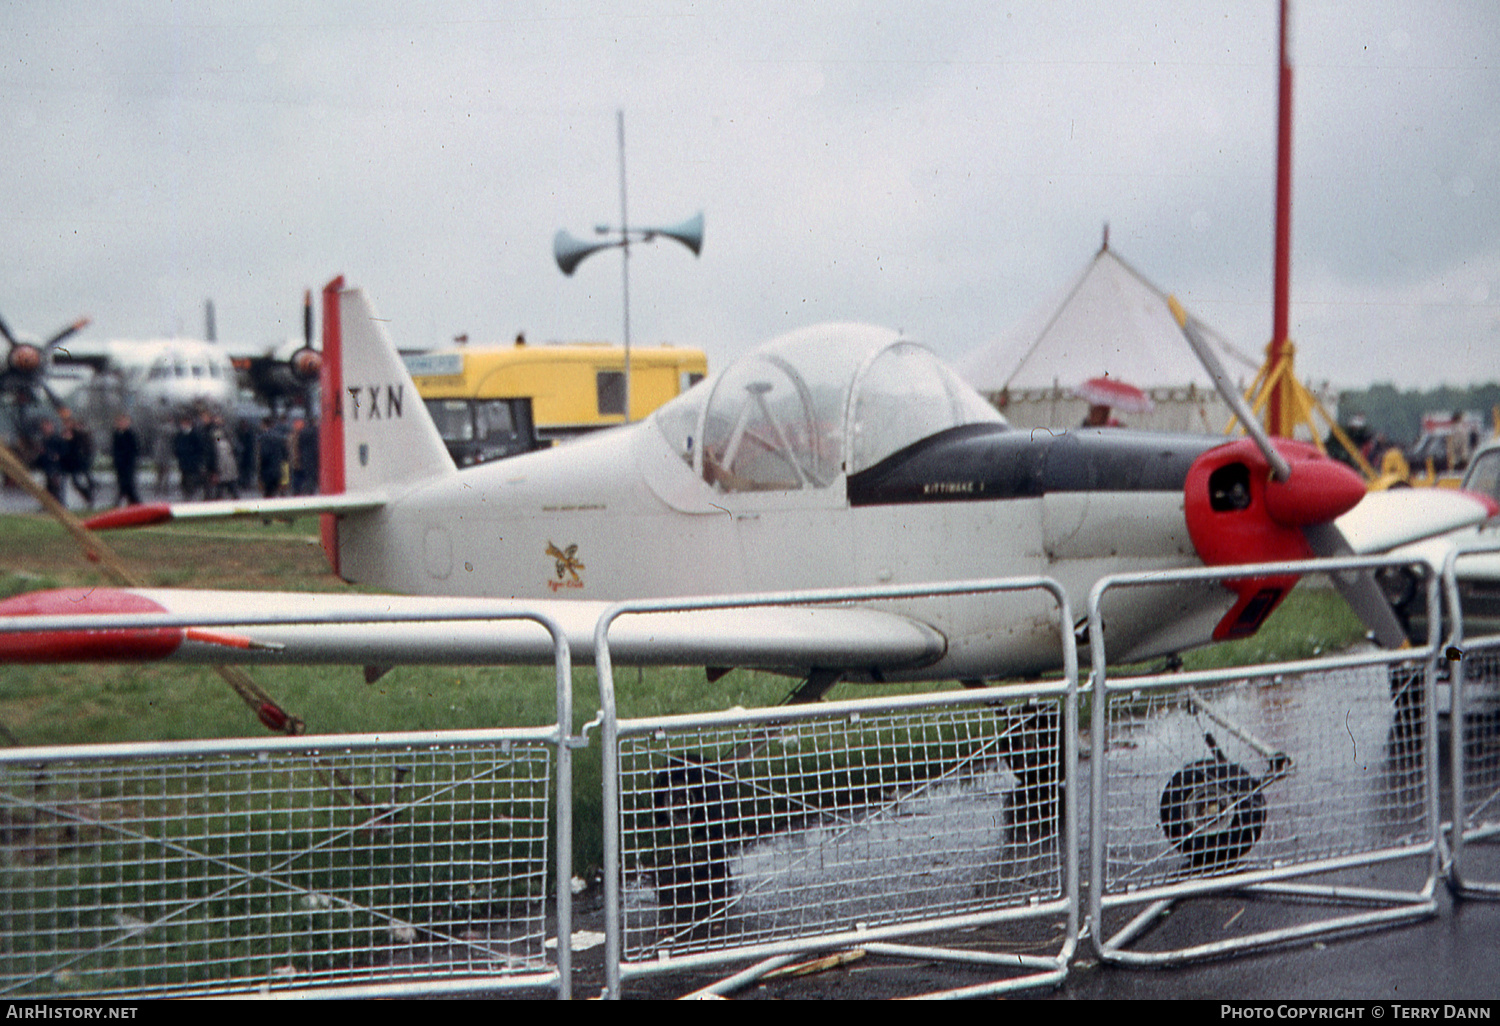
(611, 390)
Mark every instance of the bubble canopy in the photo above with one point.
(808, 408)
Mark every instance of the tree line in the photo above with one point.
(1398, 415)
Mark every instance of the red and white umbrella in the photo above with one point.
(1116, 394)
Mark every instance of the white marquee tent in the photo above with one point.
(1110, 322)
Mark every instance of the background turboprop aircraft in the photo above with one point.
(154, 380)
(837, 456)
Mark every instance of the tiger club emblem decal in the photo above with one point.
(567, 565)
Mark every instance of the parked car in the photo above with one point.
(1478, 574)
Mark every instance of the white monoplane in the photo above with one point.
(838, 456)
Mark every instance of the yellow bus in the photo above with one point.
(495, 401)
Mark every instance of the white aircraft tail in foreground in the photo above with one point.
(377, 436)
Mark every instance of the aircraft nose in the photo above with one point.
(1318, 491)
(1237, 512)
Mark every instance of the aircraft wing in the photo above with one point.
(215, 627)
(1401, 516)
(277, 350)
(95, 353)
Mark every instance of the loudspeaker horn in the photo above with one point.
(689, 233)
(569, 252)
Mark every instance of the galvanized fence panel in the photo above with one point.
(175, 870)
(802, 828)
(1252, 779)
(1474, 739)
(411, 863)
(744, 834)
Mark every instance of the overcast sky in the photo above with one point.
(940, 168)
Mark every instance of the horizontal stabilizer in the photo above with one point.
(292, 506)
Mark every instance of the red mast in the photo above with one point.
(1278, 411)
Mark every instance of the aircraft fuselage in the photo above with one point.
(620, 515)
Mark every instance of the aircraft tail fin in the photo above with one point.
(375, 432)
(374, 422)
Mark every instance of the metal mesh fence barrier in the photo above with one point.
(1479, 735)
(759, 833)
(1263, 774)
(220, 871)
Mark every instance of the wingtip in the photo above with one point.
(143, 644)
(1491, 507)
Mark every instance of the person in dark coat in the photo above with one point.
(272, 447)
(310, 467)
(188, 449)
(244, 453)
(49, 459)
(304, 457)
(204, 429)
(78, 455)
(125, 451)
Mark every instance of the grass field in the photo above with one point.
(64, 704)
(77, 704)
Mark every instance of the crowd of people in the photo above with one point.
(277, 457)
(213, 460)
(63, 450)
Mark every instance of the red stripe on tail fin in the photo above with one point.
(331, 424)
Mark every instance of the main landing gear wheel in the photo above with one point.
(1213, 812)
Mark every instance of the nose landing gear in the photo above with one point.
(1213, 810)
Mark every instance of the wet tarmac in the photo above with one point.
(106, 494)
(1341, 782)
(1453, 954)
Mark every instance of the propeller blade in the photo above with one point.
(1358, 587)
(5, 330)
(68, 332)
(52, 398)
(1226, 389)
(307, 318)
